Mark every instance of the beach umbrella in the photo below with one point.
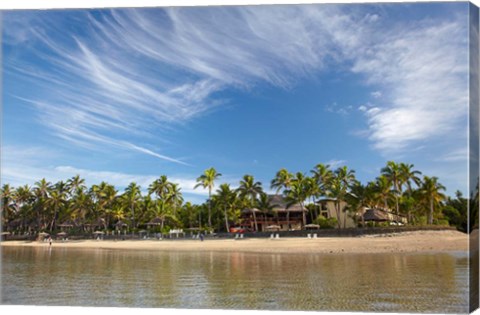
(43, 234)
(62, 234)
(312, 226)
(5, 233)
(98, 233)
(273, 227)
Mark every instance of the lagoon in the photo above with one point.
(386, 282)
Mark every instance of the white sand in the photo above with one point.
(408, 242)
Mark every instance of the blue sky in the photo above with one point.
(131, 94)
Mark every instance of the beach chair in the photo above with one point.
(241, 235)
(315, 235)
(277, 236)
(272, 236)
(309, 235)
(236, 236)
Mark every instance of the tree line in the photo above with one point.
(399, 187)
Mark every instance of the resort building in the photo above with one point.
(281, 218)
(327, 209)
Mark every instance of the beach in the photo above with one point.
(406, 242)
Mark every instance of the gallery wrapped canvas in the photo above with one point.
(300, 157)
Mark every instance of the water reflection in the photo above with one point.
(367, 282)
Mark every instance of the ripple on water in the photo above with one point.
(379, 282)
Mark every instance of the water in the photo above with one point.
(356, 282)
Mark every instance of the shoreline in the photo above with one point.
(406, 242)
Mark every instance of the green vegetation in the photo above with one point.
(47, 206)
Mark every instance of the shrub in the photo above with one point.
(326, 223)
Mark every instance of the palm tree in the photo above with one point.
(431, 192)
(226, 199)
(175, 197)
(81, 205)
(207, 180)
(118, 212)
(7, 195)
(163, 211)
(132, 197)
(282, 180)
(161, 187)
(312, 191)
(56, 199)
(249, 189)
(41, 192)
(264, 204)
(360, 197)
(393, 173)
(107, 196)
(189, 212)
(322, 175)
(297, 193)
(24, 198)
(407, 177)
(383, 190)
(75, 183)
(338, 188)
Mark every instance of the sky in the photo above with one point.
(122, 95)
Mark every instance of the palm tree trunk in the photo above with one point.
(430, 216)
(210, 207)
(266, 223)
(200, 218)
(133, 216)
(255, 220)
(304, 216)
(288, 220)
(226, 218)
(396, 197)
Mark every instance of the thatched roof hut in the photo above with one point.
(282, 205)
(100, 222)
(120, 224)
(247, 210)
(376, 215)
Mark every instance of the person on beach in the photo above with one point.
(50, 240)
(201, 237)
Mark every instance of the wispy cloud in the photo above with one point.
(130, 75)
(335, 163)
(21, 166)
(423, 71)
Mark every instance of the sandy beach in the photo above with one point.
(407, 242)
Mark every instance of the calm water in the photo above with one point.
(373, 282)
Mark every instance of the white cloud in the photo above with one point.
(424, 69)
(335, 163)
(460, 154)
(22, 166)
(136, 73)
